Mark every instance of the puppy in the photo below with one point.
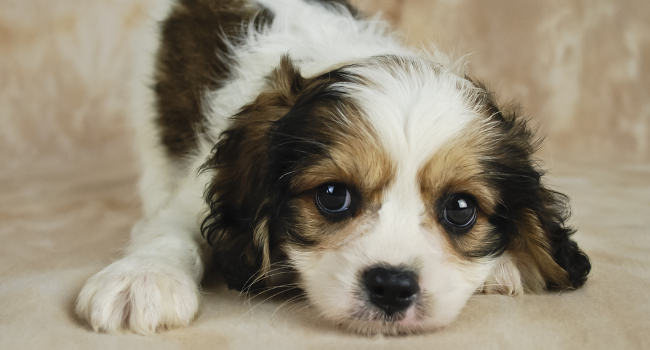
(297, 138)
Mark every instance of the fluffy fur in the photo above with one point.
(256, 105)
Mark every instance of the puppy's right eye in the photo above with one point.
(334, 200)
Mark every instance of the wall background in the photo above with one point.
(579, 68)
(67, 172)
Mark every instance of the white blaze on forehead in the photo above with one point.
(413, 105)
(415, 108)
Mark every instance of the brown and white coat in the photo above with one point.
(258, 112)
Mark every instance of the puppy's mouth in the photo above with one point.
(411, 315)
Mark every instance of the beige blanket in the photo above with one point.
(67, 173)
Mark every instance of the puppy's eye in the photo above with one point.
(459, 213)
(334, 200)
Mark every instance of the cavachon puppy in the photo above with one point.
(296, 141)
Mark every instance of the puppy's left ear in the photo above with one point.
(238, 225)
(531, 215)
(544, 244)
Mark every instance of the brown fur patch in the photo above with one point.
(297, 135)
(456, 168)
(459, 167)
(492, 160)
(356, 159)
(237, 225)
(192, 58)
(532, 253)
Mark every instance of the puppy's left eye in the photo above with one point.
(334, 200)
(459, 213)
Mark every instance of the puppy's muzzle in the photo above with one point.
(389, 288)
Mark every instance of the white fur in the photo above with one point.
(505, 277)
(415, 108)
(159, 176)
(155, 285)
(316, 40)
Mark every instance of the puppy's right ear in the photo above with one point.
(237, 224)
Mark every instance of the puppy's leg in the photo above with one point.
(505, 278)
(156, 284)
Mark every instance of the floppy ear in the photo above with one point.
(237, 225)
(531, 215)
(546, 256)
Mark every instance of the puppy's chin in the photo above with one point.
(366, 321)
(338, 297)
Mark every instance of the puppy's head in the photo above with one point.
(394, 188)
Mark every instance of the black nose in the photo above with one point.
(391, 289)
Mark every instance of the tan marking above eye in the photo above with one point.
(456, 168)
(355, 157)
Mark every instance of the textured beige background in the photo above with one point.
(67, 175)
(581, 68)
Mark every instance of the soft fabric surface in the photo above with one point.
(67, 181)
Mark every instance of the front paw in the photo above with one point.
(141, 295)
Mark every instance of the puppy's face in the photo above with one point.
(394, 188)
